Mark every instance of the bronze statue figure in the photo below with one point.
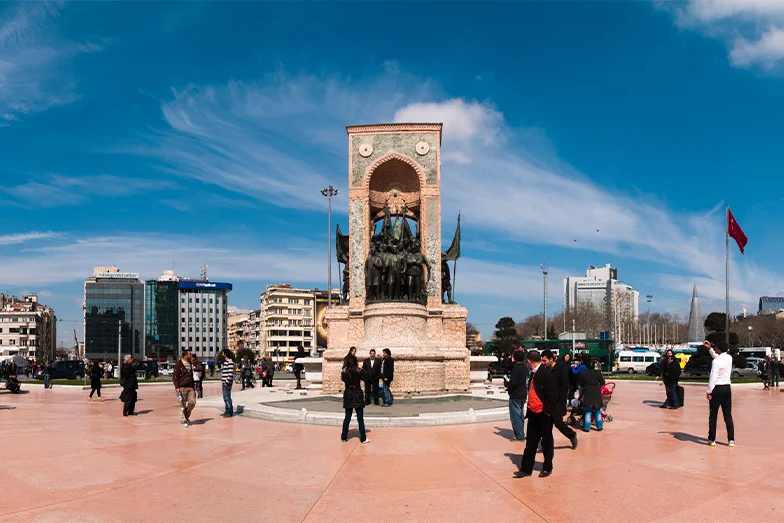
(446, 281)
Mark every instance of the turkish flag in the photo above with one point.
(735, 232)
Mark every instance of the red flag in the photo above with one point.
(735, 232)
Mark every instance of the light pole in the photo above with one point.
(329, 192)
(544, 274)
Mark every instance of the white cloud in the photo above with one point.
(11, 239)
(59, 190)
(752, 29)
(34, 73)
(465, 121)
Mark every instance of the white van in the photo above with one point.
(632, 361)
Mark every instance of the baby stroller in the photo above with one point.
(578, 410)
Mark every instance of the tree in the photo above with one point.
(505, 336)
(716, 322)
(247, 353)
(471, 328)
(530, 327)
(220, 359)
(551, 333)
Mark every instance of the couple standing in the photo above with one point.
(374, 370)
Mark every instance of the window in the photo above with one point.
(625, 359)
(197, 300)
(183, 329)
(210, 310)
(183, 338)
(190, 309)
(210, 338)
(210, 300)
(190, 339)
(183, 300)
(190, 329)
(197, 329)
(638, 359)
(183, 319)
(649, 359)
(190, 300)
(210, 329)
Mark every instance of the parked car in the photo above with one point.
(654, 369)
(147, 369)
(289, 368)
(65, 370)
(696, 371)
(749, 372)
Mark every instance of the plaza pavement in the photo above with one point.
(67, 460)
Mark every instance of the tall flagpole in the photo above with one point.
(727, 278)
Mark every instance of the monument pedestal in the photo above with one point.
(427, 344)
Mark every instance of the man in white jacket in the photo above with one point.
(720, 394)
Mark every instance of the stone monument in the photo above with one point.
(392, 290)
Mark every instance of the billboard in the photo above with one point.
(209, 285)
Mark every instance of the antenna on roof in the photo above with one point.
(204, 273)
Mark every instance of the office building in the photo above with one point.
(113, 307)
(204, 316)
(286, 321)
(771, 304)
(600, 288)
(27, 328)
(162, 317)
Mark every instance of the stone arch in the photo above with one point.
(394, 156)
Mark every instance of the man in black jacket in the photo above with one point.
(387, 374)
(517, 395)
(129, 384)
(562, 383)
(371, 371)
(670, 376)
(542, 396)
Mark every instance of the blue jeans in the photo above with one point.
(46, 381)
(226, 388)
(388, 398)
(775, 380)
(672, 392)
(517, 416)
(596, 411)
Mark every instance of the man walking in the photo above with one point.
(542, 395)
(562, 384)
(227, 378)
(518, 393)
(387, 374)
(775, 366)
(47, 374)
(371, 370)
(270, 372)
(129, 384)
(182, 378)
(720, 394)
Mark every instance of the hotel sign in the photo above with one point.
(123, 275)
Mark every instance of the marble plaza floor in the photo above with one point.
(67, 460)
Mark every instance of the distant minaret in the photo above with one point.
(696, 328)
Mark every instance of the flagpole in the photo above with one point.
(727, 276)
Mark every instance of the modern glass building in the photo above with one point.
(204, 315)
(113, 305)
(161, 319)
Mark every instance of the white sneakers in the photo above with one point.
(732, 444)
(366, 441)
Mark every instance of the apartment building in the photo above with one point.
(27, 328)
(286, 320)
(237, 321)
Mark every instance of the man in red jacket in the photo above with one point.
(542, 397)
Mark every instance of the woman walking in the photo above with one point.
(767, 372)
(96, 371)
(299, 367)
(198, 376)
(353, 398)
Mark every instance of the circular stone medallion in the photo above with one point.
(422, 148)
(365, 150)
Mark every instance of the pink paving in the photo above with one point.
(68, 460)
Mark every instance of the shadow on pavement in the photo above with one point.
(652, 403)
(142, 412)
(691, 438)
(504, 433)
(201, 421)
(6, 407)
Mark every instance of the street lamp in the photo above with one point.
(329, 192)
(544, 274)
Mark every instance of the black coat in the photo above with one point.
(672, 373)
(546, 389)
(128, 377)
(371, 371)
(591, 381)
(516, 384)
(561, 375)
(388, 365)
(353, 397)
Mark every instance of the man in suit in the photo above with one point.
(542, 397)
(371, 372)
(129, 384)
(562, 383)
(387, 374)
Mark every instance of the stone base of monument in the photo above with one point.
(427, 344)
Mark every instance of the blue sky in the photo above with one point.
(146, 134)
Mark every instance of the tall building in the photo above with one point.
(204, 314)
(696, 325)
(27, 328)
(252, 334)
(600, 288)
(162, 317)
(287, 321)
(771, 304)
(113, 306)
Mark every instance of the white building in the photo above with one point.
(204, 327)
(600, 288)
(27, 328)
(286, 321)
(252, 334)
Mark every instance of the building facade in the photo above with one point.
(204, 317)
(162, 317)
(113, 308)
(237, 321)
(253, 334)
(27, 328)
(600, 288)
(771, 304)
(286, 321)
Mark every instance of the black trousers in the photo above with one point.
(539, 430)
(562, 427)
(298, 375)
(371, 392)
(129, 401)
(721, 397)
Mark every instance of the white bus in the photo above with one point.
(632, 361)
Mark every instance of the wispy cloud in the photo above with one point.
(34, 60)
(11, 239)
(60, 190)
(752, 29)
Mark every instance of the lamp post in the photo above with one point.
(544, 274)
(329, 192)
